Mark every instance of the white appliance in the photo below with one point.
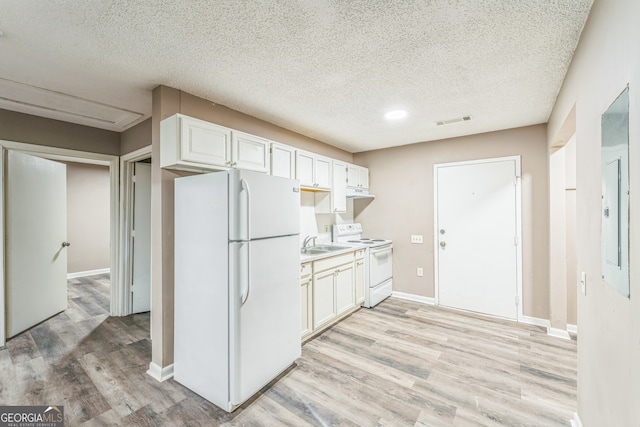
(378, 261)
(237, 290)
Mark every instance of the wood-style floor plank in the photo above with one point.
(399, 364)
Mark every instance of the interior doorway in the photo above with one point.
(135, 288)
(60, 155)
(477, 244)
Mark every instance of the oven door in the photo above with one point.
(380, 265)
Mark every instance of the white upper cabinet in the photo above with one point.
(357, 177)
(283, 160)
(305, 168)
(192, 144)
(323, 172)
(336, 201)
(249, 152)
(196, 145)
(313, 171)
(339, 190)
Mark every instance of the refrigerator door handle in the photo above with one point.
(245, 294)
(245, 187)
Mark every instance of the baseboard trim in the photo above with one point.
(88, 273)
(535, 321)
(572, 329)
(576, 421)
(160, 374)
(415, 298)
(558, 333)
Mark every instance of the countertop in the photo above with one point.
(304, 258)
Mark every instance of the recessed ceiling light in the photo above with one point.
(395, 115)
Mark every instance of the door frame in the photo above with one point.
(126, 215)
(518, 187)
(64, 154)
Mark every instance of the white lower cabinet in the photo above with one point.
(333, 292)
(344, 289)
(306, 299)
(359, 277)
(324, 306)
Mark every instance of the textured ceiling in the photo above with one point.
(328, 69)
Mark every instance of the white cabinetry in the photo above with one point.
(336, 201)
(249, 152)
(359, 277)
(332, 288)
(357, 177)
(192, 144)
(313, 171)
(306, 299)
(344, 289)
(196, 145)
(283, 160)
(324, 307)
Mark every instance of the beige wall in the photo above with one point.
(605, 61)
(219, 114)
(19, 127)
(88, 217)
(402, 180)
(136, 137)
(166, 102)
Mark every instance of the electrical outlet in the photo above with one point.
(420, 272)
(416, 238)
(583, 282)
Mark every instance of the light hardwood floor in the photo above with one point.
(399, 364)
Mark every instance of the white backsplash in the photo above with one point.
(312, 224)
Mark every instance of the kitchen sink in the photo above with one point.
(321, 249)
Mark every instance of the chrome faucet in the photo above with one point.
(308, 240)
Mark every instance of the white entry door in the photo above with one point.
(141, 239)
(476, 237)
(35, 246)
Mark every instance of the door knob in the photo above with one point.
(443, 244)
(65, 244)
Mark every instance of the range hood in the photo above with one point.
(359, 193)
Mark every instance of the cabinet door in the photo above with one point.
(323, 172)
(353, 176)
(359, 281)
(283, 161)
(305, 168)
(249, 152)
(364, 178)
(204, 143)
(324, 309)
(305, 305)
(339, 190)
(344, 289)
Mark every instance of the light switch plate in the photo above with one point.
(420, 272)
(583, 282)
(416, 238)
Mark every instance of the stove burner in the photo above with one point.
(364, 241)
(379, 240)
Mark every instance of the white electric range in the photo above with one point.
(378, 261)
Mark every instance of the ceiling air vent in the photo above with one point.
(452, 121)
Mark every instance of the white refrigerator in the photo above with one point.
(237, 291)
